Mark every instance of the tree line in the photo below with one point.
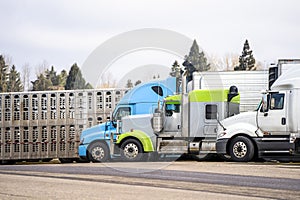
(49, 79)
(196, 61)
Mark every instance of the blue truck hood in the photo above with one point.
(97, 131)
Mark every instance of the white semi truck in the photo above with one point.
(272, 131)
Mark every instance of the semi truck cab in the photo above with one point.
(272, 131)
(142, 99)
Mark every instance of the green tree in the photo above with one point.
(137, 82)
(41, 84)
(3, 74)
(129, 84)
(51, 75)
(197, 58)
(88, 86)
(246, 60)
(175, 70)
(62, 78)
(14, 83)
(75, 79)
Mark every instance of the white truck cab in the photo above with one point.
(270, 131)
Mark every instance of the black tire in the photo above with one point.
(98, 152)
(132, 151)
(7, 162)
(241, 149)
(203, 157)
(224, 157)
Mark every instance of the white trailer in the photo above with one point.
(249, 83)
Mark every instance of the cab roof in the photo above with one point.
(149, 92)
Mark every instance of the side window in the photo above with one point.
(211, 111)
(122, 112)
(158, 90)
(172, 108)
(277, 101)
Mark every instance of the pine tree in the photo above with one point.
(175, 70)
(3, 74)
(62, 78)
(51, 75)
(197, 58)
(246, 60)
(14, 83)
(137, 82)
(75, 79)
(88, 86)
(129, 84)
(41, 84)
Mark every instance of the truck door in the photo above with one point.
(273, 119)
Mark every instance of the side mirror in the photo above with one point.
(233, 92)
(264, 104)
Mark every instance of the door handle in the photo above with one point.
(283, 121)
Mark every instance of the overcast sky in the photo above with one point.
(63, 32)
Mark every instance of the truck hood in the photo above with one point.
(245, 117)
(95, 130)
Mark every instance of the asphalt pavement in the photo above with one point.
(186, 179)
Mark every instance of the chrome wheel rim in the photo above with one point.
(131, 150)
(240, 149)
(98, 153)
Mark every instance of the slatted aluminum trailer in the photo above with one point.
(47, 124)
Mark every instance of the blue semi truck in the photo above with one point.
(142, 99)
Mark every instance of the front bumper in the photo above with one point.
(82, 149)
(221, 145)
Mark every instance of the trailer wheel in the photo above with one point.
(132, 151)
(98, 152)
(241, 149)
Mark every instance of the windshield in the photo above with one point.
(121, 112)
(171, 108)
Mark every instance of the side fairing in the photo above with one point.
(144, 139)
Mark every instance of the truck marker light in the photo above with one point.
(266, 133)
(221, 134)
(293, 137)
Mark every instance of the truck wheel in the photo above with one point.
(241, 149)
(98, 152)
(131, 150)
